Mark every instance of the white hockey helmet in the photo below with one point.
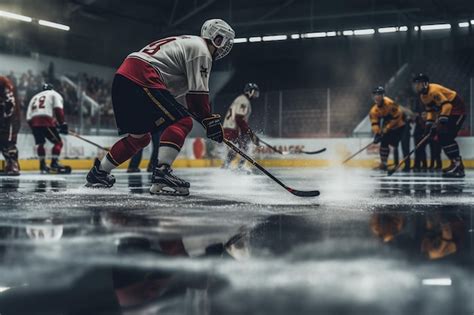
(220, 34)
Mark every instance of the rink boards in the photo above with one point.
(198, 152)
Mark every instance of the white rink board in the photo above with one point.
(337, 148)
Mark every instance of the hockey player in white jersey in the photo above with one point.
(144, 96)
(236, 127)
(45, 115)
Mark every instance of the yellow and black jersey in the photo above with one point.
(443, 100)
(389, 112)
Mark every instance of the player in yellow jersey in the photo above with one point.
(451, 115)
(387, 122)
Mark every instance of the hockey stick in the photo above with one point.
(353, 155)
(295, 192)
(286, 153)
(72, 133)
(299, 193)
(422, 141)
(314, 152)
(273, 148)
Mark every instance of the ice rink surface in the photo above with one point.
(239, 244)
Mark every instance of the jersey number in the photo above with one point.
(39, 103)
(154, 47)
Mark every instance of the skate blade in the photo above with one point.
(450, 175)
(60, 171)
(97, 185)
(160, 189)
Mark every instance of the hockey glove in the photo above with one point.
(378, 138)
(214, 128)
(63, 128)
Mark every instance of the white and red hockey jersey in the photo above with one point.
(180, 64)
(238, 114)
(45, 109)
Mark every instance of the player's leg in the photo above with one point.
(396, 155)
(243, 143)
(394, 137)
(384, 151)
(53, 136)
(231, 135)
(448, 132)
(9, 149)
(406, 146)
(138, 111)
(435, 153)
(121, 151)
(155, 140)
(134, 165)
(40, 140)
(10, 153)
(172, 140)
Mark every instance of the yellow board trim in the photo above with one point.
(84, 164)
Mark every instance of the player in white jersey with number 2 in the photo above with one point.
(144, 97)
(236, 127)
(45, 115)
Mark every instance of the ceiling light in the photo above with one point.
(54, 25)
(15, 16)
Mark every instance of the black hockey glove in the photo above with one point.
(378, 138)
(63, 128)
(214, 128)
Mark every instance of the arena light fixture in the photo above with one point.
(255, 39)
(463, 24)
(314, 35)
(391, 29)
(295, 36)
(416, 28)
(369, 31)
(472, 22)
(331, 34)
(273, 38)
(435, 27)
(54, 25)
(240, 40)
(348, 33)
(3, 289)
(437, 281)
(14, 16)
(403, 28)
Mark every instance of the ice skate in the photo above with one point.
(96, 178)
(449, 168)
(44, 169)
(381, 167)
(165, 183)
(457, 171)
(58, 168)
(12, 168)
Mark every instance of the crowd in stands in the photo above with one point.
(29, 83)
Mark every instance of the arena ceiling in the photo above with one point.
(104, 31)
